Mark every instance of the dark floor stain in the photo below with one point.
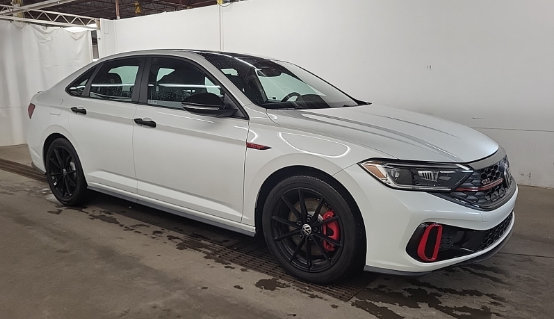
(157, 232)
(104, 218)
(197, 235)
(243, 269)
(62, 251)
(482, 275)
(204, 287)
(77, 209)
(377, 311)
(492, 269)
(229, 267)
(270, 284)
(463, 292)
(171, 237)
(140, 225)
(217, 259)
(55, 212)
(137, 232)
(238, 287)
(308, 292)
(420, 292)
(378, 295)
(334, 306)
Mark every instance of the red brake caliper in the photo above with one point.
(331, 230)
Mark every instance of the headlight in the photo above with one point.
(417, 176)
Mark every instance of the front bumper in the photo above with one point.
(392, 216)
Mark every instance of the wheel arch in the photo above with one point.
(272, 180)
(48, 141)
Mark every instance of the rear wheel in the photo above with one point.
(312, 230)
(65, 174)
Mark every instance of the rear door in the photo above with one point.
(192, 161)
(101, 122)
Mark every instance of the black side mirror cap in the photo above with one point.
(208, 110)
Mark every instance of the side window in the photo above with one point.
(172, 82)
(115, 80)
(77, 87)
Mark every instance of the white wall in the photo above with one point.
(198, 28)
(32, 59)
(484, 63)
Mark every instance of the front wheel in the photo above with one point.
(65, 174)
(312, 230)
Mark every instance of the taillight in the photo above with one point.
(31, 109)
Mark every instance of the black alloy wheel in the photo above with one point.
(311, 229)
(64, 173)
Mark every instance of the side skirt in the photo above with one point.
(176, 210)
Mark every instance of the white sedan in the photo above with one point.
(256, 145)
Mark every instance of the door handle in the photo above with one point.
(79, 110)
(146, 122)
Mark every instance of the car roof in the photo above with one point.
(181, 52)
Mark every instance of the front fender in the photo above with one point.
(290, 148)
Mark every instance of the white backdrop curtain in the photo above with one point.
(32, 59)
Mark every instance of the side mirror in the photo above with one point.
(208, 110)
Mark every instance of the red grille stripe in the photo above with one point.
(480, 189)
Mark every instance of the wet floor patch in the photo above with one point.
(271, 284)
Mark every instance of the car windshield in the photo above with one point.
(276, 84)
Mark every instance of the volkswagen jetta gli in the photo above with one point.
(257, 145)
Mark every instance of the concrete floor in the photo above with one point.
(114, 259)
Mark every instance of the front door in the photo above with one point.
(192, 161)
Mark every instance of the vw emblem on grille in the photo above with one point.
(306, 229)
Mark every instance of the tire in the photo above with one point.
(65, 173)
(331, 226)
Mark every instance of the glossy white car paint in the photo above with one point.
(220, 180)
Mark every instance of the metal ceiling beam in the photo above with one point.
(34, 6)
(53, 18)
(44, 22)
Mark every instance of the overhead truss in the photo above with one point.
(30, 14)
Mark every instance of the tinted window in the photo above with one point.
(77, 87)
(115, 80)
(172, 82)
(277, 84)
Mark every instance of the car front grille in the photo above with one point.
(486, 189)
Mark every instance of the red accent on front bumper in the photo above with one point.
(423, 243)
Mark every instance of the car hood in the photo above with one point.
(393, 132)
